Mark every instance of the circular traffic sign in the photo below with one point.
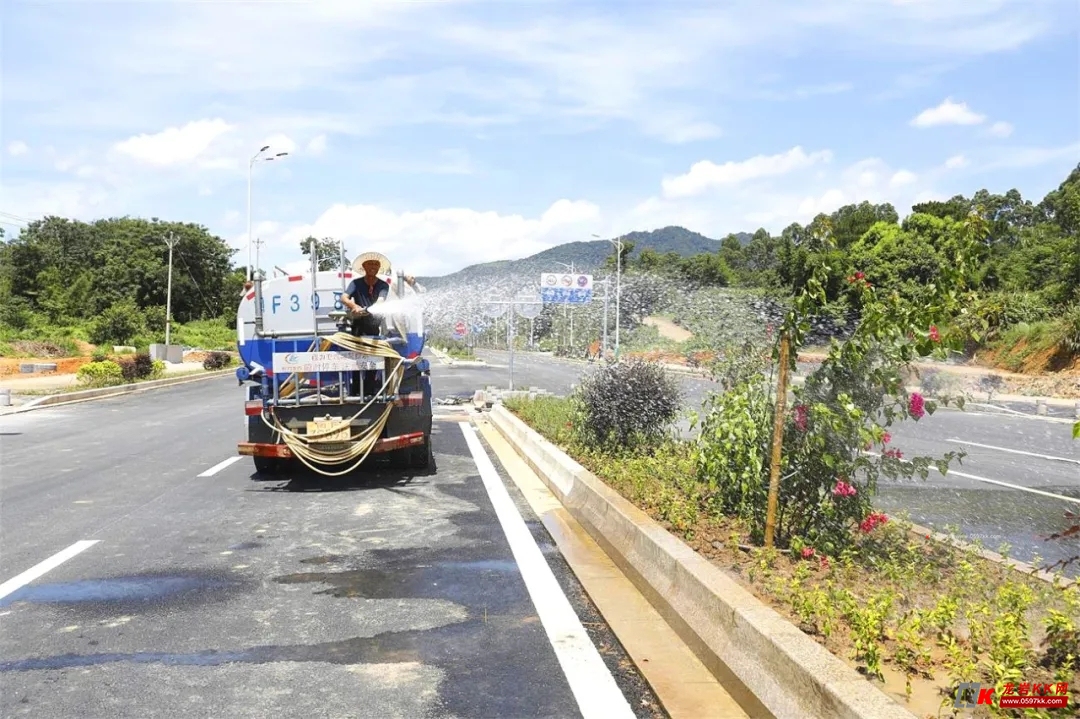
(460, 328)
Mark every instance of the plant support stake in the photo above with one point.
(777, 442)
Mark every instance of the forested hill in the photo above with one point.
(587, 256)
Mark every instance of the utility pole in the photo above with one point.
(171, 242)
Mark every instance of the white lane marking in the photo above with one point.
(1016, 451)
(51, 563)
(220, 466)
(952, 472)
(593, 685)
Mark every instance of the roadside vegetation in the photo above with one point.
(917, 615)
(1024, 314)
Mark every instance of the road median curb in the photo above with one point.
(105, 392)
(727, 627)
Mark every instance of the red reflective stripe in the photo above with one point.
(251, 296)
(253, 407)
(389, 444)
(295, 278)
(254, 449)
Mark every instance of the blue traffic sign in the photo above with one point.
(565, 295)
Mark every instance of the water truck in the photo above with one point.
(317, 394)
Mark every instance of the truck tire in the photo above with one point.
(267, 465)
(420, 457)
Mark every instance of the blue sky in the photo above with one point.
(445, 133)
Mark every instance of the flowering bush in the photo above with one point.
(834, 444)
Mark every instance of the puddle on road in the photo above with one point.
(126, 594)
(469, 582)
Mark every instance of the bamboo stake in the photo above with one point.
(778, 440)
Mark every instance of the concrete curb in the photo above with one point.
(106, 392)
(725, 625)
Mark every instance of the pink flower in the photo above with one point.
(915, 406)
(886, 438)
(894, 453)
(801, 415)
(843, 489)
(807, 552)
(934, 334)
(872, 521)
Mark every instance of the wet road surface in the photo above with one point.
(1020, 477)
(188, 589)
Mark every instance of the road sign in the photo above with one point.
(460, 328)
(565, 288)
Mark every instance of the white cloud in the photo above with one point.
(902, 178)
(317, 145)
(777, 201)
(948, 113)
(279, 143)
(174, 145)
(806, 91)
(956, 162)
(17, 147)
(705, 175)
(1000, 129)
(437, 241)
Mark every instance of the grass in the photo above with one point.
(914, 615)
(45, 340)
(1033, 348)
(205, 334)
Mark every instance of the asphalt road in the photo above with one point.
(188, 589)
(1013, 490)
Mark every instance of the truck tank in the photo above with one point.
(322, 417)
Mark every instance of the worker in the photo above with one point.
(361, 294)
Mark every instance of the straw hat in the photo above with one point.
(383, 260)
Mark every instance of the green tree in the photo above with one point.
(329, 252)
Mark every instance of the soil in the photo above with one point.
(65, 365)
(668, 329)
(1063, 383)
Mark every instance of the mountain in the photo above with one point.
(585, 256)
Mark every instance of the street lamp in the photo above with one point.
(618, 244)
(251, 166)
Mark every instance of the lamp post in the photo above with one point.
(567, 309)
(171, 242)
(618, 244)
(251, 166)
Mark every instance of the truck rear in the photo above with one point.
(316, 394)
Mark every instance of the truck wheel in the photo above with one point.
(267, 465)
(420, 457)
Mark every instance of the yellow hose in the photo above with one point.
(362, 443)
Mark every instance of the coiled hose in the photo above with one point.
(362, 443)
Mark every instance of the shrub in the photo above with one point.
(157, 370)
(835, 443)
(217, 360)
(1070, 325)
(99, 356)
(128, 368)
(627, 403)
(144, 366)
(100, 374)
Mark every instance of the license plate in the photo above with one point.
(320, 426)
